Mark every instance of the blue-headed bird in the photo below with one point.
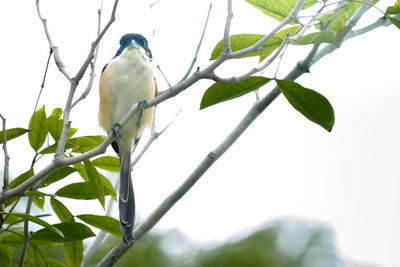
(125, 81)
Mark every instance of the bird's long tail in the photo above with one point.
(126, 199)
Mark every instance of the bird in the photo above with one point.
(125, 81)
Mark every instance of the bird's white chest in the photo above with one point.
(131, 83)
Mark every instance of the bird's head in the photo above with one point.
(134, 41)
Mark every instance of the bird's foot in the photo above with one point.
(115, 130)
(141, 105)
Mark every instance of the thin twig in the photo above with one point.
(153, 136)
(8, 213)
(307, 25)
(41, 89)
(343, 35)
(382, 21)
(165, 78)
(6, 157)
(154, 3)
(93, 62)
(198, 45)
(254, 70)
(339, 38)
(27, 234)
(254, 48)
(226, 42)
(57, 58)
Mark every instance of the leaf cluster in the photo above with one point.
(308, 102)
(72, 229)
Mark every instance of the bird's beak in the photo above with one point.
(134, 44)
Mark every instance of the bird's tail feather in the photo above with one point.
(126, 199)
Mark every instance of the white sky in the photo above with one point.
(283, 166)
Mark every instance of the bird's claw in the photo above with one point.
(115, 131)
(141, 105)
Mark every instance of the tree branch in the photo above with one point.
(342, 35)
(254, 48)
(254, 70)
(383, 21)
(6, 156)
(58, 162)
(57, 58)
(339, 38)
(199, 45)
(154, 136)
(226, 42)
(93, 62)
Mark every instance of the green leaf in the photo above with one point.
(55, 127)
(38, 197)
(108, 163)
(218, 92)
(278, 9)
(53, 148)
(395, 21)
(73, 252)
(105, 223)
(40, 222)
(57, 112)
(34, 257)
(82, 190)
(241, 41)
(85, 143)
(82, 171)
(58, 175)
(95, 181)
(72, 231)
(12, 239)
(311, 104)
(316, 38)
(71, 132)
(39, 201)
(16, 238)
(12, 133)
(77, 191)
(108, 188)
(10, 201)
(11, 219)
(395, 9)
(21, 178)
(6, 253)
(78, 144)
(39, 129)
(61, 211)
